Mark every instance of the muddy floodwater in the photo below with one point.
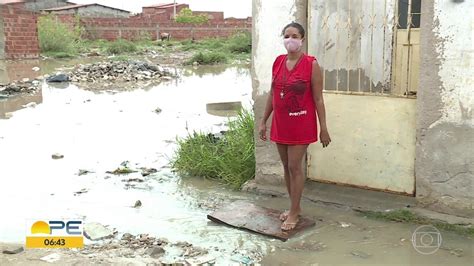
(98, 131)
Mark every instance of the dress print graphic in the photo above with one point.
(295, 96)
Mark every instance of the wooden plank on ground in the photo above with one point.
(265, 221)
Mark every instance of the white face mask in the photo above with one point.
(292, 45)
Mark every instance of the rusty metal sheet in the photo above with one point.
(265, 221)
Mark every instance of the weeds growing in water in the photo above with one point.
(121, 46)
(219, 50)
(230, 159)
(209, 58)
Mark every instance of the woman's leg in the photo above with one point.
(296, 154)
(283, 151)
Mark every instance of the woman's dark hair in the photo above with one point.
(294, 25)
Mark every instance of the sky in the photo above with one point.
(231, 8)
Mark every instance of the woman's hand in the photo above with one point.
(324, 137)
(262, 131)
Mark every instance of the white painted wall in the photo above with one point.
(270, 18)
(455, 27)
(373, 143)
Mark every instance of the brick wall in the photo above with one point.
(21, 35)
(20, 30)
(2, 35)
(152, 25)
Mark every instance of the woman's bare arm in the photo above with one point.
(317, 87)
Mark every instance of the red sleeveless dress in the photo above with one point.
(294, 112)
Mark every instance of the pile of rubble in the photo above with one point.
(24, 86)
(129, 71)
(144, 245)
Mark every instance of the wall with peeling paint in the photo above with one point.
(267, 43)
(445, 126)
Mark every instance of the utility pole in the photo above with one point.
(174, 10)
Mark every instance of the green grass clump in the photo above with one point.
(230, 160)
(209, 58)
(240, 43)
(57, 38)
(410, 217)
(60, 54)
(121, 46)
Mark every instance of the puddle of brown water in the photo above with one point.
(98, 131)
(19, 69)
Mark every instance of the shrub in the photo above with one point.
(208, 58)
(240, 43)
(57, 37)
(121, 46)
(186, 16)
(230, 159)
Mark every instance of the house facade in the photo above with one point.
(398, 93)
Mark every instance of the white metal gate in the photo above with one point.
(368, 51)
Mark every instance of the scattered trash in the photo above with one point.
(155, 252)
(133, 179)
(35, 69)
(82, 191)
(18, 87)
(84, 172)
(246, 260)
(93, 53)
(344, 224)
(51, 257)
(96, 231)
(138, 204)
(122, 169)
(127, 236)
(29, 105)
(25, 80)
(148, 171)
(57, 156)
(129, 71)
(360, 254)
(58, 78)
(13, 250)
(458, 252)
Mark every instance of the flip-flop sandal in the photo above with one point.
(292, 225)
(284, 215)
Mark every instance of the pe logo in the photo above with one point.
(55, 234)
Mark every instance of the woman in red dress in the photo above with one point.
(295, 100)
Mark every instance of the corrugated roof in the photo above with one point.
(164, 5)
(82, 5)
(6, 2)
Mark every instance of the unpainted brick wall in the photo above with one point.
(141, 25)
(21, 34)
(20, 30)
